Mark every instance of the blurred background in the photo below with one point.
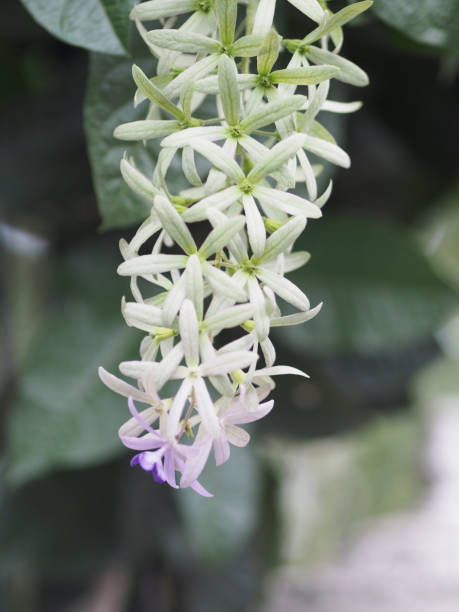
(348, 497)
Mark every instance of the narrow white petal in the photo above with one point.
(287, 202)
(174, 224)
(206, 408)
(277, 156)
(283, 238)
(182, 138)
(323, 199)
(194, 72)
(255, 226)
(155, 9)
(221, 235)
(176, 409)
(260, 316)
(264, 17)
(224, 363)
(142, 316)
(341, 107)
(137, 181)
(328, 151)
(308, 172)
(174, 301)
(194, 284)
(151, 264)
(269, 352)
(123, 388)
(137, 369)
(218, 157)
(278, 370)
(311, 8)
(189, 167)
(241, 344)
(297, 318)
(284, 289)
(223, 284)
(168, 366)
(189, 333)
(236, 245)
(230, 317)
(220, 200)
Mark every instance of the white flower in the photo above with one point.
(241, 165)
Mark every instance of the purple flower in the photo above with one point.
(240, 412)
(159, 455)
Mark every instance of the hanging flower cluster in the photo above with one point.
(240, 166)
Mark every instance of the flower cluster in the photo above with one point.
(241, 166)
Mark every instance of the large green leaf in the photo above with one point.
(62, 415)
(439, 235)
(109, 102)
(432, 23)
(379, 291)
(97, 25)
(218, 528)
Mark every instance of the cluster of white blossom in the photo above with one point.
(240, 166)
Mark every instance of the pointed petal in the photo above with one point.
(223, 284)
(283, 238)
(195, 462)
(182, 138)
(277, 156)
(152, 264)
(237, 436)
(168, 366)
(205, 407)
(195, 284)
(284, 288)
(287, 202)
(297, 318)
(255, 226)
(174, 225)
(176, 409)
(221, 160)
(221, 235)
(223, 363)
(220, 200)
(123, 388)
(278, 370)
(221, 449)
(169, 468)
(189, 333)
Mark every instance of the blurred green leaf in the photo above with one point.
(432, 23)
(62, 415)
(96, 25)
(109, 102)
(439, 234)
(379, 291)
(219, 527)
(439, 378)
(60, 523)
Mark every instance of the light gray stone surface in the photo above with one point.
(407, 562)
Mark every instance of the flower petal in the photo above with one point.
(223, 363)
(237, 436)
(195, 463)
(205, 406)
(189, 333)
(221, 449)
